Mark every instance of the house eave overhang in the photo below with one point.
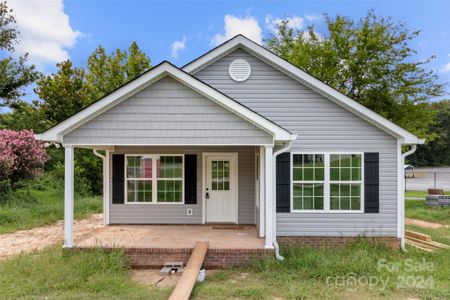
(294, 72)
(56, 133)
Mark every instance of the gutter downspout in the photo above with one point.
(105, 203)
(274, 231)
(404, 155)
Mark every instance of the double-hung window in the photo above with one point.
(139, 178)
(345, 181)
(327, 182)
(152, 178)
(308, 181)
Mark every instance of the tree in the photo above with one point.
(24, 116)
(62, 94)
(371, 62)
(15, 74)
(436, 152)
(108, 72)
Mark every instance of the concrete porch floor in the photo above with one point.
(172, 236)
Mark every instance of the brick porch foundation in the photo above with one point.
(332, 241)
(215, 258)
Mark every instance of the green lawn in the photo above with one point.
(417, 209)
(39, 203)
(306, 273)
(420, 194)
(54, 274)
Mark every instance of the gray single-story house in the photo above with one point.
(241, 136)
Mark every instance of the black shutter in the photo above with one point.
(283, 180)
(371, 182)
(118, 196)
(190, 179)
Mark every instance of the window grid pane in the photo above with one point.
(345, 167)
(345, 196)
(139, 190)
(139, 167)
(220, 175)
(308, 196)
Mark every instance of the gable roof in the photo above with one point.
(165, 68)
(315, 84)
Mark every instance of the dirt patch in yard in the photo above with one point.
(424, 224)
(25, 241)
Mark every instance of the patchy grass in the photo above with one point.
(441, 235)
(39, 203)
(306, 273)
(420, 194)
(309, 273)
(417, 209)
(54, 274)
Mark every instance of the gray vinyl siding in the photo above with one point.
(322, 126)
(177, 213)
(167, 112)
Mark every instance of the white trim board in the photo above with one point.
(57, 132)
(240, 41)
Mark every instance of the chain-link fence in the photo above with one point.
(429, 178)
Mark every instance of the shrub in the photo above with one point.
(21, 157)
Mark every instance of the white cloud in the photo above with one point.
(178, 46)
(45, 32)
(446, 68)
(247, 26)
(313, 17)
(295, 22)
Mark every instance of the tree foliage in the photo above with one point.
(105, 72)
(63, 93)
(436, 152)
(70, 89)
(371, 62)
(15, 74)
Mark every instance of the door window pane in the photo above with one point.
(220, 175)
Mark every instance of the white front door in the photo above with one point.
(221, 190)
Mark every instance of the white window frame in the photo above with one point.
(154, 179)
(327, 182)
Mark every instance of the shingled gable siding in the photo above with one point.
(321, 126)
(176, 214)
(168, 112)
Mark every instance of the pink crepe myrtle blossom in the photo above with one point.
(21, 155)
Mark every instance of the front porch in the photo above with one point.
(241, 197)
(150, 246)
(173, 237)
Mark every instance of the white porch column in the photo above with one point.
(268, 195)
(68, 197)
(106, 189)
(261, 187)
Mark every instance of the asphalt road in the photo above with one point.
(426, 178)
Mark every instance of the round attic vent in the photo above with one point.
(239, 70)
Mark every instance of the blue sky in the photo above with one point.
(53, 30)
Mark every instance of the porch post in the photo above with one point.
(68, 197)
(268, 195)
(262, 213)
